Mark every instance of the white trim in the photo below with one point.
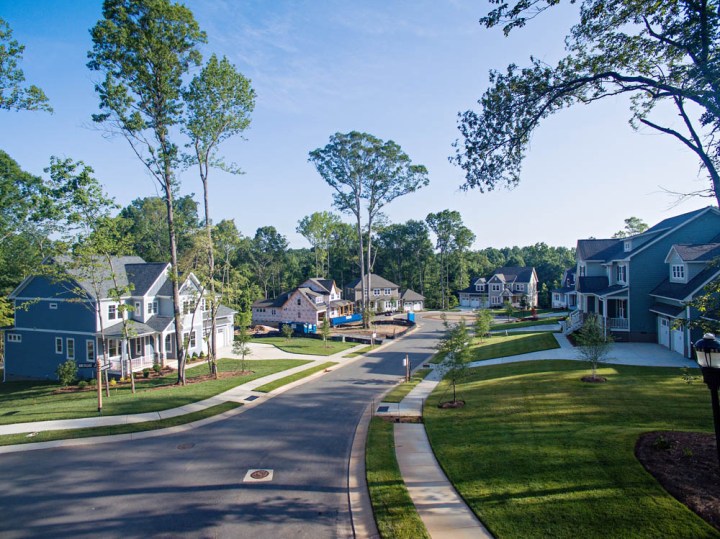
(68, 348)
(14, 337)
(91, 333)
(88, 344)
(23, 298)
(59, 340)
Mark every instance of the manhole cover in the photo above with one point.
(383, 408)
(251, 398)
(258, 475)
(185, 446)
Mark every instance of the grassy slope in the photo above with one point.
(51, 435)
(529, 323)
(538, 453)
(33, 401)
(510, 345)
(300, 345)
(394, 511)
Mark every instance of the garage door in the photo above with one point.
(475, 303)
(677, 338)
(220, 341)
(664, 331)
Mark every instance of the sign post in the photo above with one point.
(406, 364)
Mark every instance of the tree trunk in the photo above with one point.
(363, 284)
(212, 342)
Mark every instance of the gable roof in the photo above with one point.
(683, 291)
(143, 276)
(272, 302)
(322, 284)
(118, 267)
(411, 295)
(514, 274)
(594, 249)
(375, 281)
(701, 252)
(672, 222)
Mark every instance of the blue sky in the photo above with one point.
(399, 70)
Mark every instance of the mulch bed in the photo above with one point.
(139, 382)
(452, 404)
(686, 465)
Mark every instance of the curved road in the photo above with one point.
(190, 484)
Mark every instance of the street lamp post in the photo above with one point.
(707, 354)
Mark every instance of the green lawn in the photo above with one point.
(36, 401)
(538, 453)
(400, 391)
(394, 511)
(302, 345)
(528, 323)
(510, 345)
(267, 388)
(52, 435)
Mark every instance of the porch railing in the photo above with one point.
(138, 363)
(618, 323)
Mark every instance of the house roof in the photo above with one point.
(682, 291)
(375, 281)
(701, 252)
(411, 295)
(672, 222)
(514, 274)
(596, 249)
(127, 270)
(613, 290)
(592, 285)
(563, 290)
(669, 310)
(272, 302)
(323, 284)
(144, 275)
(137, 329)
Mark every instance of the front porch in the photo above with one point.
(613, 313)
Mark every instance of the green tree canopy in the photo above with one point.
(656, 53)
(633, 225)
(14, 95)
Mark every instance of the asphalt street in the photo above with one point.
(191, 484)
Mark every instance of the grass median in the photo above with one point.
(42, 401)
(395, 514)
(536, 452)
(512, 344)
(528, 323)
(270, 386)
(128, 428)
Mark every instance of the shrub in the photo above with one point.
(113, 382)
(92, 382)
(67, 372)
(157, 368)
(202, 355)
(194, 356)
(82, 384)
(146, 372)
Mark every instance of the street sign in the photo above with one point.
(105, 367)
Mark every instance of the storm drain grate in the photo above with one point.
(251, 398)
(258, 475)
(383, 408)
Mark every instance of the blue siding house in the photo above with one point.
(74, 316)
(641, 285)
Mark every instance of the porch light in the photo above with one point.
(707, 354)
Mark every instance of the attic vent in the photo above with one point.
(627, 246)
(53, 306)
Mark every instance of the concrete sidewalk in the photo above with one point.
(242, 393)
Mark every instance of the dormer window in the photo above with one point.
(582, 271)
(480, 287)
(627, 245)
(678, 272)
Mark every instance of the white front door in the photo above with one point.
(663, 331)
(220, 341)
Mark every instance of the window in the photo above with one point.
(138, 347)
(90, 350)
(582, 271)
(204, 305)
(70, 347)
(193, 342)
(58, 345)
(14, 337)
(621, 274)
(53, 306)
(519, 287)
(556, 297)
(376, 291)
(189, 339)
(678, 271)
(627, 246)
(496, 288)
(495, 300)
(299, 302)
(112, 312)
(188, 306)
(138, 308)
(113, 348)
(152, 307)
(387, 291)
